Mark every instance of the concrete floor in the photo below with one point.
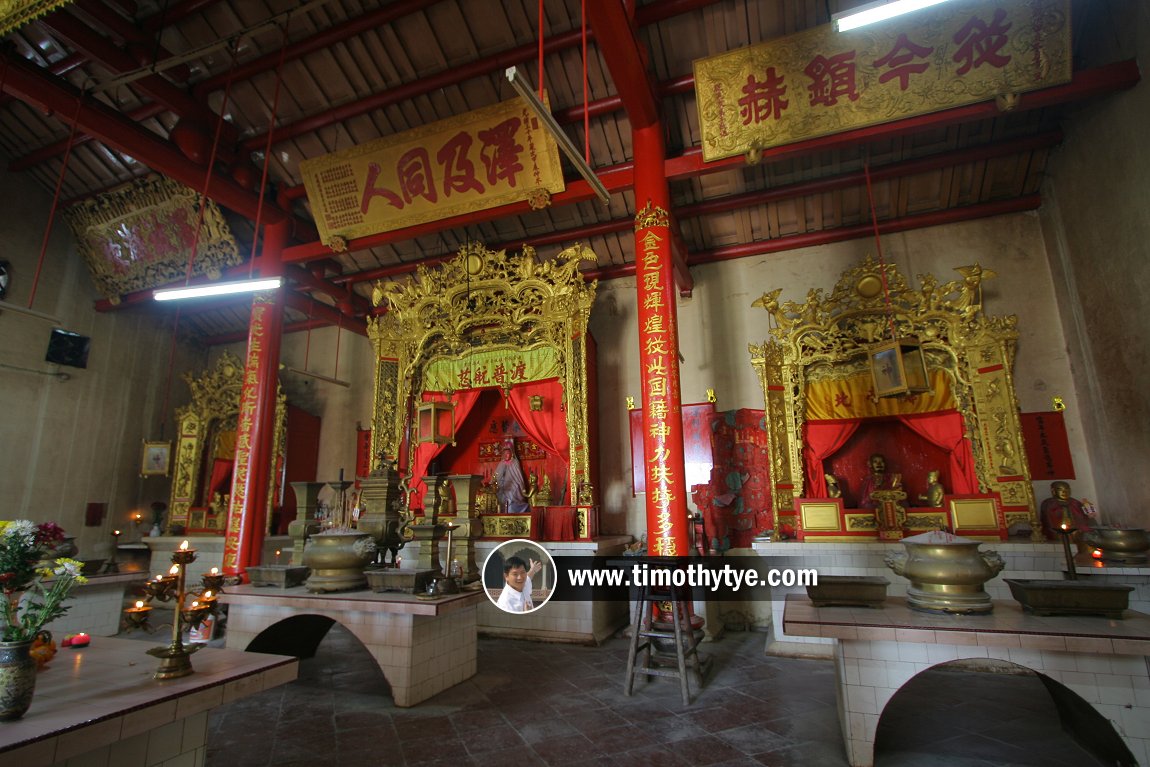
(545, 704)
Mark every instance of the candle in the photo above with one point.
(115, 533)
(175, 570)
(81, 640)
(277, 556)
(139, 604)
(183, 546)
(215, 571)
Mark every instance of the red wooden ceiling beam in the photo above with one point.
(139, 40)
(626, 61)
(49, 151)
(828, 236)
(33, 86)
(485, 66)
(81, 37)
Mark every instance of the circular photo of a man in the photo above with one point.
(519, 576)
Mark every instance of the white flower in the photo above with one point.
(67, 567)
(22, 530)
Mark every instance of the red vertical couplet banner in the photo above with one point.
(255, 435)
(659, 353)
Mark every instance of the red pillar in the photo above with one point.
(256, 427)
(659, 349)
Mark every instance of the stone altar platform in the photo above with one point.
(877, 651)
(1037, 561)
(100, 705)
(423, 646)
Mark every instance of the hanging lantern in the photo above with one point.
(435, 422)
(898, 367)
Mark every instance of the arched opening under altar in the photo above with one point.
(1014, 715)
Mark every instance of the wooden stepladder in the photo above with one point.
(668, 646)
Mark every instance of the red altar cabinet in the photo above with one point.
(849, 464)
(500, 342)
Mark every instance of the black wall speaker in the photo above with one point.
(67, 348)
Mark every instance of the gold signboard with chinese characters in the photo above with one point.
(821, 81)
(488, 157)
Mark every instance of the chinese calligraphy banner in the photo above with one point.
(489, 157)
(821, 81)
(498, 367)
(1047, 447)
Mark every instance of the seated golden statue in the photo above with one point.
(934, 490)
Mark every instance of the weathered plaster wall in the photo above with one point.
(70, 442)
(1097, 221)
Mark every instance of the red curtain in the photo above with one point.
(221, 479)
(822, 439)
(547, 427)
(425, 453)
(947, 431)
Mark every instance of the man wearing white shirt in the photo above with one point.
(516, 595)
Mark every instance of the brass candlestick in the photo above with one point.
(174, 661)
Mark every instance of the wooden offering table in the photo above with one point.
(423, 646)
(878, 651)
(100, 705)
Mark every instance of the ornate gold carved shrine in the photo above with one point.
(482, 310)
(203, 425)
(970, 355)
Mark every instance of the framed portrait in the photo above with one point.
(898, 367)
(886, 370)
(156, 459)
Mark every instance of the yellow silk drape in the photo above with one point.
(853, 397)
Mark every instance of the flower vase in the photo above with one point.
(17, 679)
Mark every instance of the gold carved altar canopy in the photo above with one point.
(206, 433)
(485, 319)
(815, 366)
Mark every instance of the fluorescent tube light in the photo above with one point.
(875, 12)
(523, 89)
(218, 289)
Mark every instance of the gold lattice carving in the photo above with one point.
(214, 405)
(478, 302)
(826, 337)
(140, 236)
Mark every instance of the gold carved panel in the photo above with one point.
(826, 336)
(484, 304)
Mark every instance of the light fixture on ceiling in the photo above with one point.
(218, 289)
(523, 89)
(880, 11)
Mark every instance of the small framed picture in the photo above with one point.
(156, 459)
(887, 370)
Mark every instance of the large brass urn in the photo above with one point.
(946, 573)
(337, 560)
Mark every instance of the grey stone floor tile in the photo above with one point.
(571, 710)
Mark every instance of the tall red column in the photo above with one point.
(659, 350)
(256, 427)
